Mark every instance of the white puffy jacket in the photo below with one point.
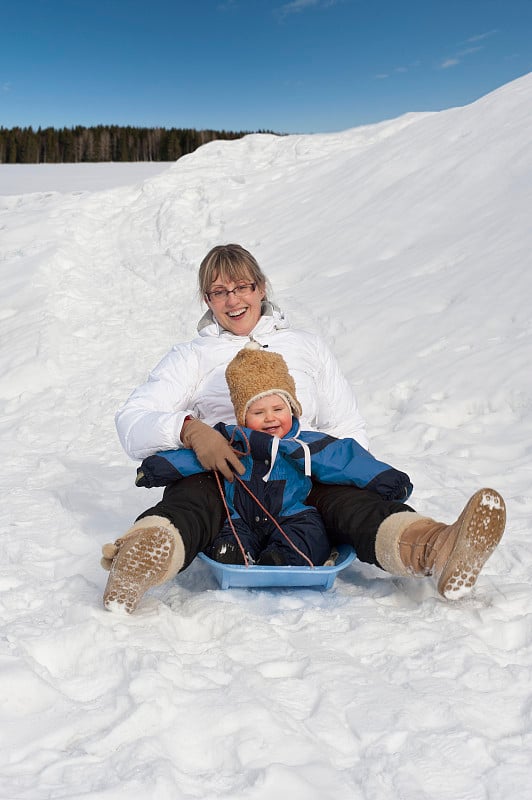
(190, 379)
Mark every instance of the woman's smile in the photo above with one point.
(238, 315)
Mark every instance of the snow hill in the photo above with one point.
(407, 244)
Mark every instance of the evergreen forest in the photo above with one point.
(102, 143)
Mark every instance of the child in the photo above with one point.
(279, 460)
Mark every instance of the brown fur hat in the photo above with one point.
(254, 373)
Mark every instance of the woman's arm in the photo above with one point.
(152, 417)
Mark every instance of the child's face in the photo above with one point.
(270, 414)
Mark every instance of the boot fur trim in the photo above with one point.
(389, 535)
(155, 521)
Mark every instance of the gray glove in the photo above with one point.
(213, 451)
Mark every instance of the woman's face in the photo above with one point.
(237, 312)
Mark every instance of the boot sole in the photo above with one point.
(142, 562)
(481, 528)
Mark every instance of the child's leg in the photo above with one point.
(226, 548)
(306, 532)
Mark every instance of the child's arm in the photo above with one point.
(345, 462)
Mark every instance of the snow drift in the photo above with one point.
(407, 244)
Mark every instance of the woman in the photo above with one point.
(187, 393)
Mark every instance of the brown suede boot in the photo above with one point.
(149, 554)
(409, 544)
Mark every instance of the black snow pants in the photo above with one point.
(351, 516)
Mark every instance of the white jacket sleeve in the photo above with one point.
(338, 410)
(152, 417)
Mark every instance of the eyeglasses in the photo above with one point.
(218, 295)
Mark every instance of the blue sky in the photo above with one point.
(303, 66)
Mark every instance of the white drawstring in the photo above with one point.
(306, 451)
(275, 450)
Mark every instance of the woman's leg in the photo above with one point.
(163, 541)
(353, 516)
(194, 506)
(402, 542)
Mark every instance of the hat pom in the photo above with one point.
(252, 345)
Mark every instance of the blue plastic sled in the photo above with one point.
(239, 576)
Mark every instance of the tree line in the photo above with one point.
(103, 143)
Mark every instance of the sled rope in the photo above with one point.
(235, 534)
(288, 539)
(257, 501)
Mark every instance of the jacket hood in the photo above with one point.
(272, 319)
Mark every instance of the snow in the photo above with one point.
(407, 244)
(75, 177)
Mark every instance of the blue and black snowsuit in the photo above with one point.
(278, 473)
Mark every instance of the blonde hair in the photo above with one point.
(232, 262)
